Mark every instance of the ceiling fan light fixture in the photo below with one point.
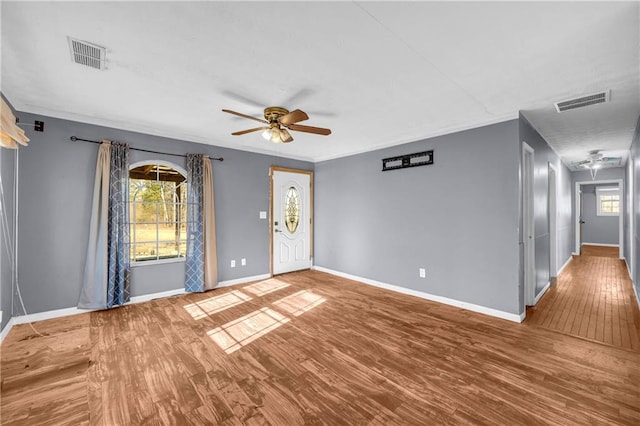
(275, 136)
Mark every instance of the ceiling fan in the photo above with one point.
(595, 160)
(278, 122)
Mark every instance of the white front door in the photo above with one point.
(291, 220)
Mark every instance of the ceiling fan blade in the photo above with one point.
(285, 136)
(243, 132)
(245, 116)
(293, 117)
(309, 129)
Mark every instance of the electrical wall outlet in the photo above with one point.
(263, 215)
(233, 263)
(423, 273)
(243, 262)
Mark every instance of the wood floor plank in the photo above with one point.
(313, 348)
(593, 299)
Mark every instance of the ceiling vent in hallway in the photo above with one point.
(583, 101)
(88, 54)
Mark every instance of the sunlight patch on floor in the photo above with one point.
(213, 305)
(265, 287)
(242, 331)
(300, 302)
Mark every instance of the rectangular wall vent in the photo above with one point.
(596, 98)
(88, 54)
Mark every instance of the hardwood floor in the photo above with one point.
(592, 299)
(309, 348)
(601, 251)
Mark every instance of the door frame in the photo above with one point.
(576, 222)
(631, 262)
(528, 224)
(273, 169)
(552, 197)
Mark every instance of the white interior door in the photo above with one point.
(528, 225)
(291, 221)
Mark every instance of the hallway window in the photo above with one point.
(608, 201)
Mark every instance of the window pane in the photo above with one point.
(145, 251)
(143, 233)
(143, 212)
(169, 231)
(615, 206)
(292, 209)
(167, 249)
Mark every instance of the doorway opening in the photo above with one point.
(583, 217)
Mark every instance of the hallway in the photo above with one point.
(593, 299)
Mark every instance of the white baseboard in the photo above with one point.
(601, 245)
(160, 295)
(565, 264)
(575, 254)
(445, 300)
(542, 292)
(243, 280)
(7, 328)
(636, 293)
(40, 316)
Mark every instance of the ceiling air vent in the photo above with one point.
(87, 54)
(596, 98)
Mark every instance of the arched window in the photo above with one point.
(158, 211)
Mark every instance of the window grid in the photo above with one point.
(608, 203)
(153, 237)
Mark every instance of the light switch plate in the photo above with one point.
(233, 263)
(243, 262)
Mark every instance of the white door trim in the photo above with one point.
(553, 221)
(273, 169)
(576, 223)
(528, 225)
(631, 262)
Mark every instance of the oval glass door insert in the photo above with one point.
(292, 209)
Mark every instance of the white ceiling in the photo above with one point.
(378, 74)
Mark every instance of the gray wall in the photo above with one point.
(458, 218)
(585, 176)
(543, 156)
(56, 185)
(597, 229)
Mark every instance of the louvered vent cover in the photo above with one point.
(88, 54)
(596, 98)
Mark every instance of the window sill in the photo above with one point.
(157, 262)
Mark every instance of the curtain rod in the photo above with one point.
(73, 138)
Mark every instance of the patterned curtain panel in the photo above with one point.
(194, 262)
(118, 277)
(106, 271)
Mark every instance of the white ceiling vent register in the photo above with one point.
(88, 54)
(596, 98)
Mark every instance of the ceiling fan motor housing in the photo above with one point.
(271, 114)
